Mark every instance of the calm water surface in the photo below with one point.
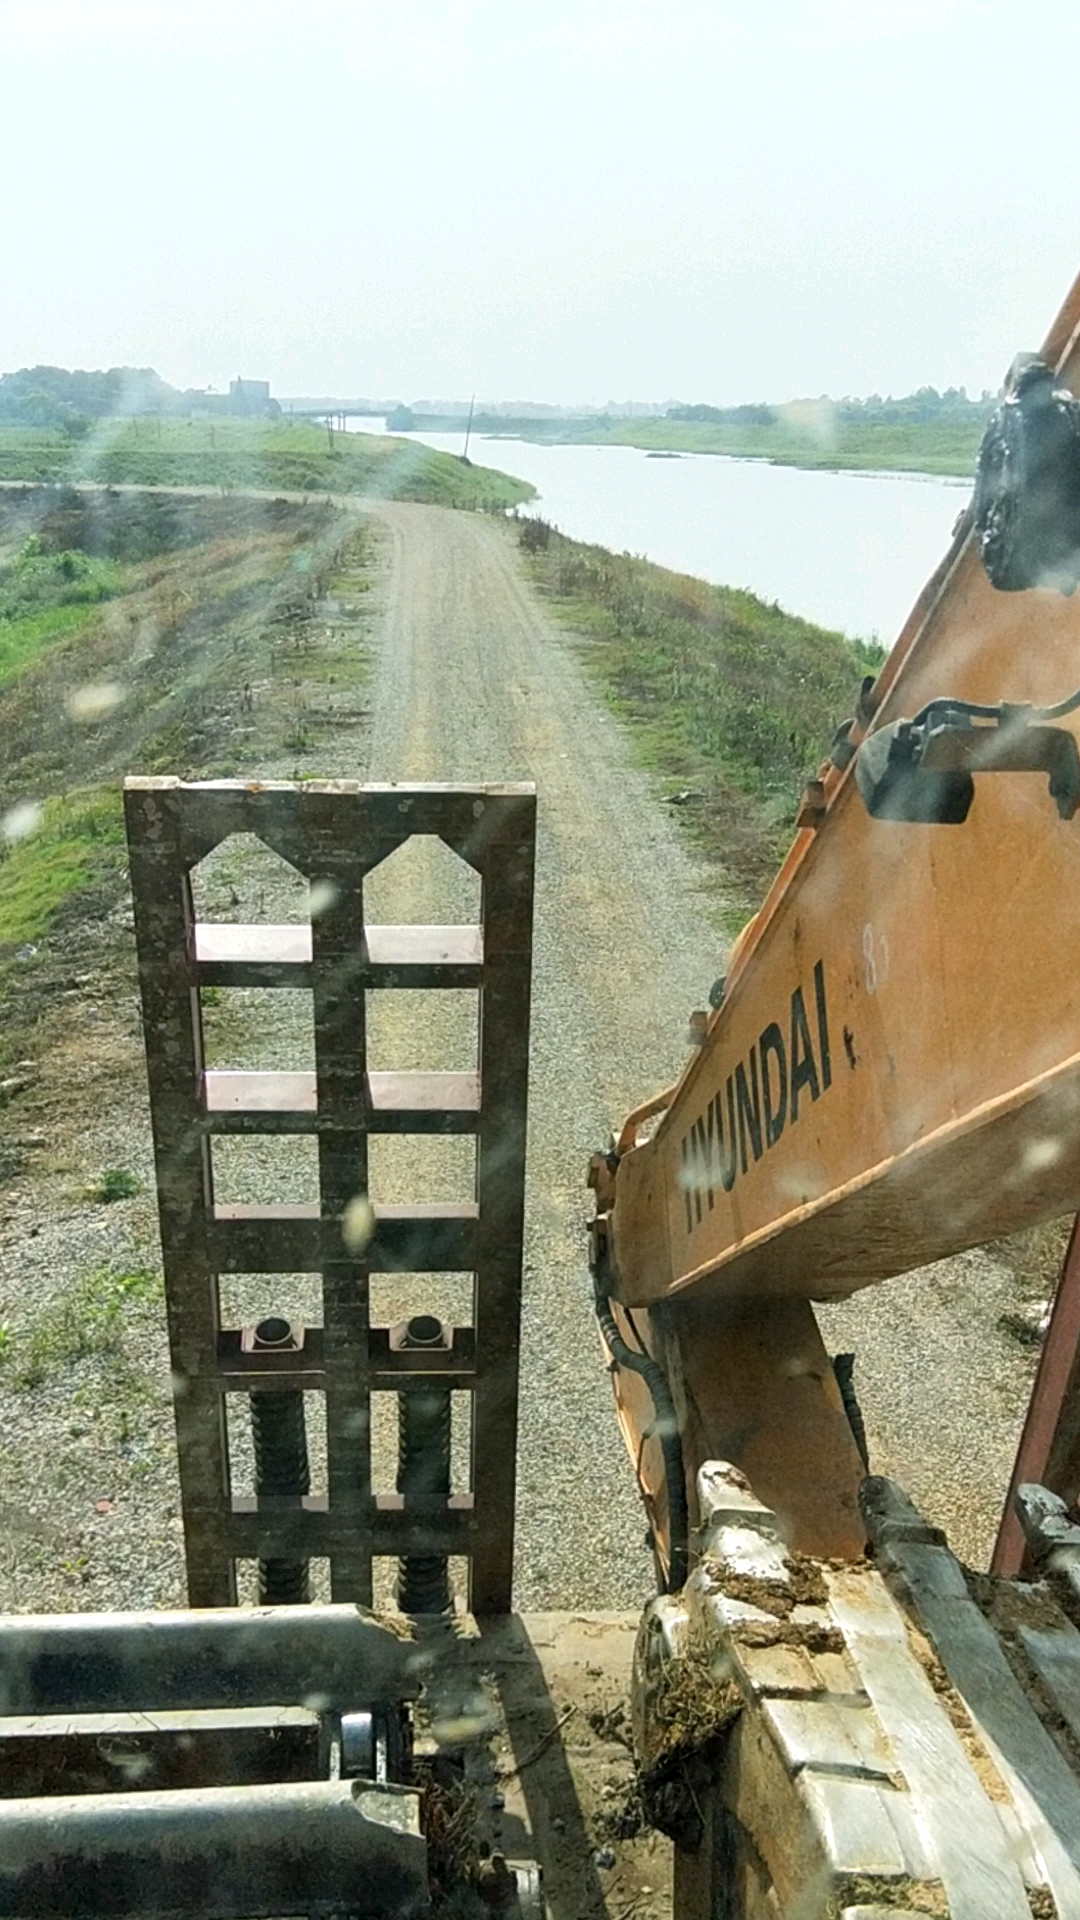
(849, 550)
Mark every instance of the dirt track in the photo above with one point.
(473, 684)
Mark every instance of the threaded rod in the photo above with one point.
(279, 1437)
(423, 1477)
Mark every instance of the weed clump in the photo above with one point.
(85, 1321)
(692, 1715)
(114, 1183)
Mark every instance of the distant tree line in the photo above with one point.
(54, 397)
(925, 405)
(758, 415)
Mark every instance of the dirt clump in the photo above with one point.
(1010, 1604)
(986, 1772)
(878, 1891)
(692, 1713)
(803, 1585)
(1042, 1903)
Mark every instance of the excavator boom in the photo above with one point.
(892, 1074)
(894, 1071)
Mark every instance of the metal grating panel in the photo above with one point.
(335, 833)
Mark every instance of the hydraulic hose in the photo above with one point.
(949, 711)
(667, 1432)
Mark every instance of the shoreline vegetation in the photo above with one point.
(935, 448)
(925, 432)
(732, 701)
(272, 456)
(129, 425)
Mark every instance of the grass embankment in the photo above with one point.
(798, 437)
(232, 639)
(286, 456)
(729, 698)
(44, 596)
(67, 845)
(144, 633)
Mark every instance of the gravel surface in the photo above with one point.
(473, 681)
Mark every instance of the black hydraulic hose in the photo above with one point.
(1063, 707)
(946, 711)
(844, 1369)
(667, 1432)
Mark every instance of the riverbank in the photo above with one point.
(287, 456)
(817, 438)
(848, 551)
(175, 634)
(731, 700)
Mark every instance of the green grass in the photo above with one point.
(78, 836)
(85, 1321)
(114, 1183)
(271, 456)
(946, 447)
(727, 696)
(23, 641)
(44, 597)
(217, 598)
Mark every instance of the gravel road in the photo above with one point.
(475, 681)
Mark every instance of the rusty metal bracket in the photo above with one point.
(1049, 1449)
(923, 770)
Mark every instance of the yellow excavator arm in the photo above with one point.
(893, 1073)
(831, 1715)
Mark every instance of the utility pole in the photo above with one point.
(468, 429)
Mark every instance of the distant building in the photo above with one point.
(252, 397)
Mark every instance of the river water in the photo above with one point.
(848, 550)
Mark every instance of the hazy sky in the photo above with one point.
(562, 200)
